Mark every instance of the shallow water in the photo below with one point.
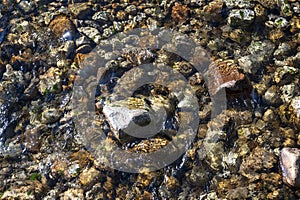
(60, 67)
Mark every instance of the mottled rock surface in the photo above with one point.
(290, 162)
(223, 74)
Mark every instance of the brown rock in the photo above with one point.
(212, 11)
(295, 24)
(276, 34)
(225, 74)
(32, 140)
(259, 159)
(61, 24)
(88, 176)
(72, 194)
(290, 162)
(83, 157)
(32, 189)
(179, 12)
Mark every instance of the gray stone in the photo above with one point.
(92, 33)
(288, 92)
(50, 115)
(283, 50)
(295, 106)
(100, 16)
(248, 64)
(261, 49)
(121, 117)
(272, 96)
(238, 193)
(27, 6)
(139, 123)
(290, 162)
(81, 10)
(239, 3)
(12, 149)
(241, 17)
(83, 40)
(131, 9)
(118, 26)
(285, 74)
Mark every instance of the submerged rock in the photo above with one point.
(289, 162)
(63, 27)
(135, 118)
(27, 6)
(241, 17)
(179, 12)
(239, 4)
(260, 52)
(226, 74)
(259, 159)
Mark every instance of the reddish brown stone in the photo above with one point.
(225, 74)
(61, 24)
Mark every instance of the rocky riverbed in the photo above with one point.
(246, 149)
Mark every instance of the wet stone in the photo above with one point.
(226, 74)
(62, 26)
(272, 96)
(259, 159)
(295, 23)
(130, 116)
(241, 17)
(81, 10)
(268, 3)
(283, 50)
(131, 9)
(50, 81)
(50, 115)
(239, 4)
(288, 91)
(285, 74)
(32, 140)
(92, 33)
(238, 193)
(294, 110)
(72, 194)
(213, 11)
(238, 160)
(119, 121)
(179, 12)
(27, 6)
(10, 148)
(100, 16)
(289, 162)
(261, 49)
(269, 115)
(296, 106)
(30, 190)
(89, 176)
